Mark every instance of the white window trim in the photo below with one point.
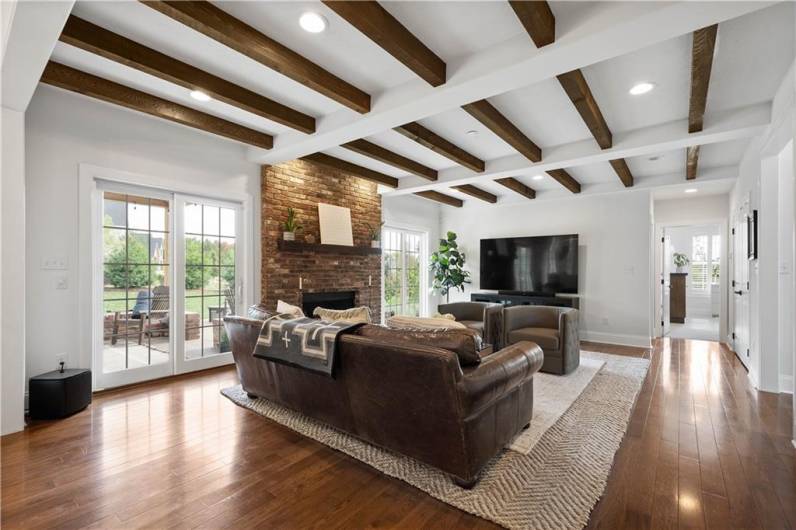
(88, 175)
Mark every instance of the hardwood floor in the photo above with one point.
(703, 450)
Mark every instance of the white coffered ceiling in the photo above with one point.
(489, 55)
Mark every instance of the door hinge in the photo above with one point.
(662, 281)
(747, 286)
(733, 335)
(663, 240)
(747, 352)
(662, 324)
(733, 231)
(733, 283)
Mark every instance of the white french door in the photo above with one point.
(169, 273)
(740, 285)
(404, 272)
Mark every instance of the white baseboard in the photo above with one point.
(641, 341)
(786, 384)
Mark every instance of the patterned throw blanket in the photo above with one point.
(308, 343)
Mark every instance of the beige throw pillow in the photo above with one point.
(405, 322)
(354, 315)
(283, 308)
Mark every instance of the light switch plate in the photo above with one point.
(62, 282)
(54, 263)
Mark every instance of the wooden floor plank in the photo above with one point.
(703, 449)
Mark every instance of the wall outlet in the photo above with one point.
(60, 357)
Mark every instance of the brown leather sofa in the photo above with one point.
(414, 400)
(554, 329)
(484, 317)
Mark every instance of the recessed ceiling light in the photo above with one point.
(198, 95)
(312, 22)
(538, 177)
(472, 133)
(641, 88)
(691, 190)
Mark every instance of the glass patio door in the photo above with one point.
(136, 287)
(403, 257)
(208, 259)
(170, 273)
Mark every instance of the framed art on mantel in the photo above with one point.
(335, 224)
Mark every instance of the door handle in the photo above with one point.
(739, 293)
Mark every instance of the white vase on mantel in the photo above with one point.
(289, 236)
(375, 243)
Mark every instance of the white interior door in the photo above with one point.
(740, 288)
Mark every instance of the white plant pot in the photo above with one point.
(289, 236)
(375, 243)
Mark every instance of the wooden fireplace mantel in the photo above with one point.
(319, 248)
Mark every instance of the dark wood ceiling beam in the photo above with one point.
(538, 20)
(622, 171)
(692, 161)
(213, 22)
(440, 145)
(478, 193)
(381, 27)
(488, 115)
(565, 179)
(576, 87)
(702, 50)
(517, 186)
(90, 85)
(352, 169)
(376, 152)
(704, 44)
(440, 197)
(87, 36)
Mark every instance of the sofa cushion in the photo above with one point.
(407, 322)
(546, 338)
(465, 343)
(259, 312)
(283, 308)
(355, 315)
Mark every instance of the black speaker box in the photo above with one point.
(59, 394)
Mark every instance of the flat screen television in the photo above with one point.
(543, 265)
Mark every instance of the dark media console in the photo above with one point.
(508, 299)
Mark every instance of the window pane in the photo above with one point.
(211, 280)
(159, 215)
(227, 222)
(193, 218)
(193, 250)
(193, 280)
(137, 247)
(158, 247)
(114, 245)
(210, 221)
(227, 251)
(114, 210)
(210, 251)
(138, 213)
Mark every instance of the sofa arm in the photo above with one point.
(568, 328)
(243, 333)
(498, 375)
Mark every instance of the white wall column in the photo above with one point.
(12, 271)
(766, 274)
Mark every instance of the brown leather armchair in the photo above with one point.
(554, 329)
(483, 317)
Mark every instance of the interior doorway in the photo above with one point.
(691, 271)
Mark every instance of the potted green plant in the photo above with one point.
(375, 234)
(290, 226)
(680, 261)
(447, 266)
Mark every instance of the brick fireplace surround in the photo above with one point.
(302, 185)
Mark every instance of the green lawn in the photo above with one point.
(193, 301)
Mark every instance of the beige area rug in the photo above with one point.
(554, 486)
(552, 397)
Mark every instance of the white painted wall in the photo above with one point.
(12, 271)
(64, 130)
(420, 214)
(785, 211)
(615, 239)
(759, 180)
